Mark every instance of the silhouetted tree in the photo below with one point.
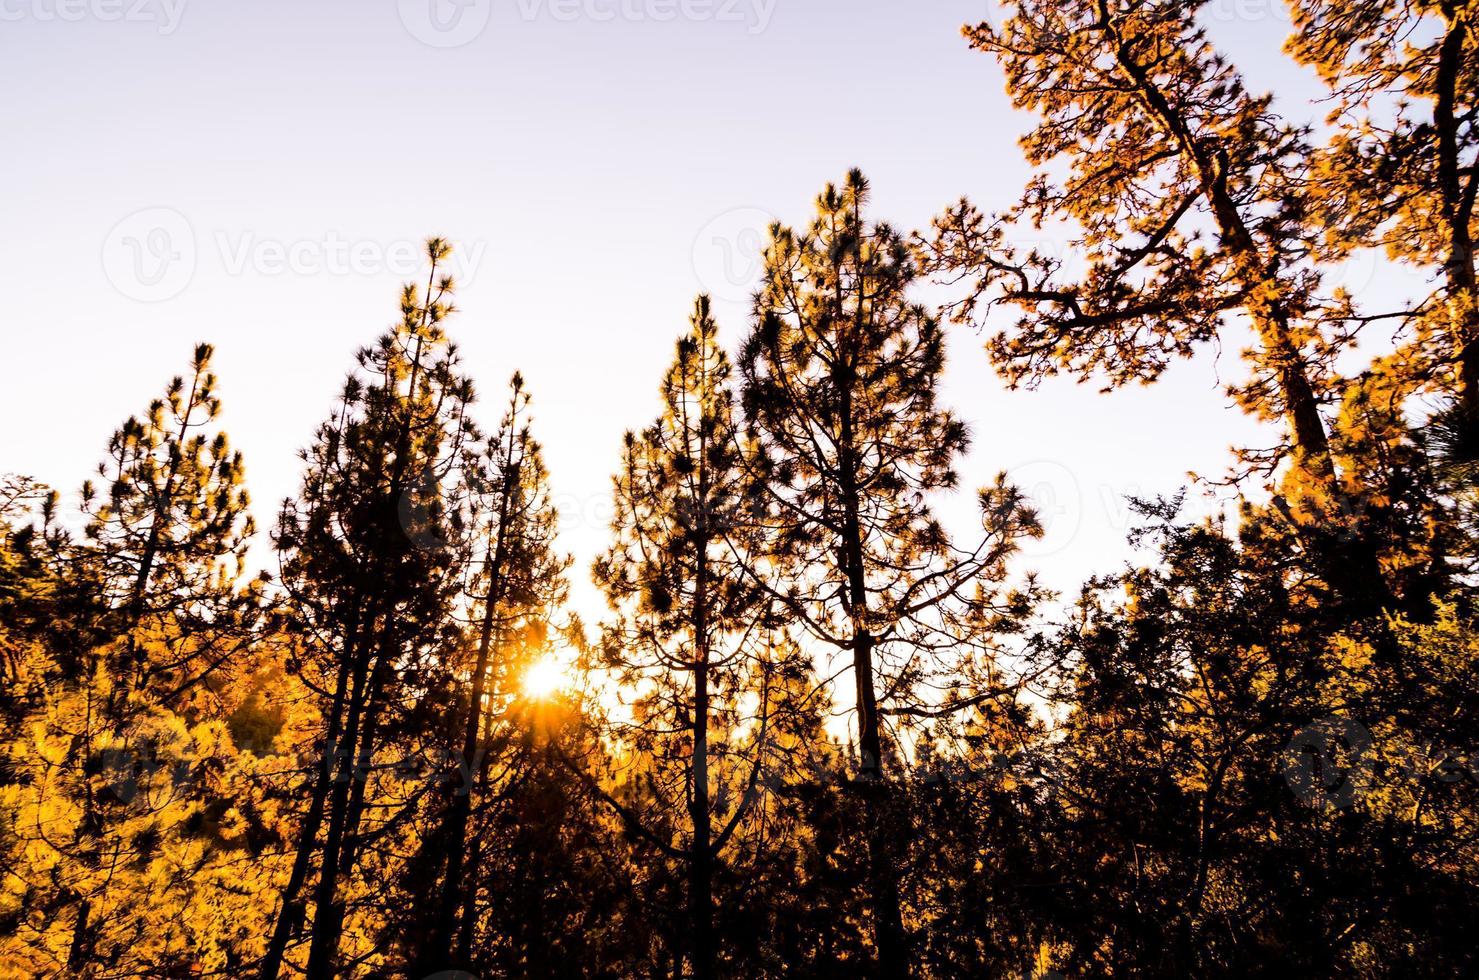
(693, 636)
(372, 559)
(840, 374)
(116, 786)
(517, 590)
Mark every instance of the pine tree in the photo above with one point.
(692, 637)
(840, 375)
(122, 775)
(169, 540)
(27, 581)
(556, 877)
(372, 558)
(1187, 197)
(516, 594)
(1399, 173)
(1195, 690)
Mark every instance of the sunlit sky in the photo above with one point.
(259, 175)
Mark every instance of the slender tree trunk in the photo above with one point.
(291, 911)
(888, 923)
(701, 858)
(81, 947)
(363, 765)
(340, 858)
(889, 936)
(870, 733)
(1458, 211)
(326, 921)
(441, 946)
(467, 923)
(292, 908)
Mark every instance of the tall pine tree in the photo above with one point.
(694, 637)
(841, 374)
(372, 559)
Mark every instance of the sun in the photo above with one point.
(544, 679)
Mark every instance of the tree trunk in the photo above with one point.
(442, 947)
(888, 922)
(292, 908)
(1458, 212)
(1348, 557)
(701, 857)
(81, 947)
(467, 924)
(889, 937)
(327, 911)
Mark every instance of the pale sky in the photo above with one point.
(260, 175)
